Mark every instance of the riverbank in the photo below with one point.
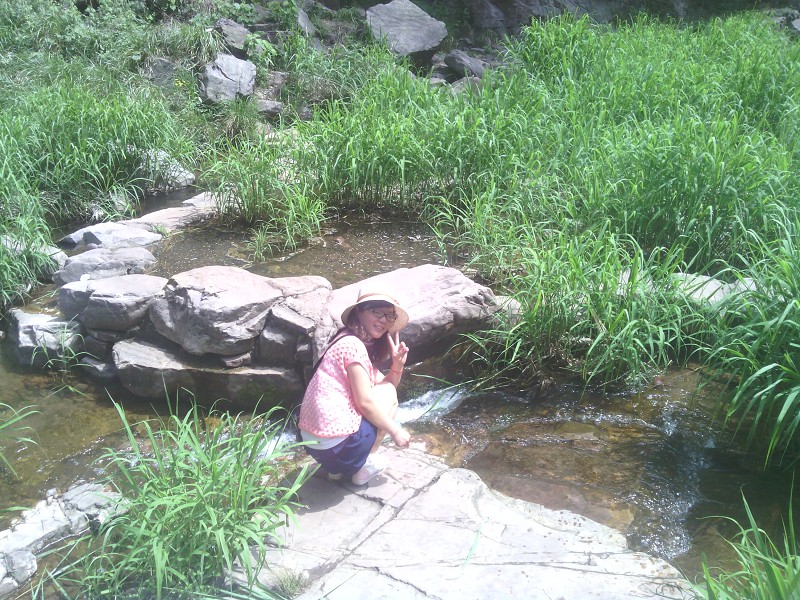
(422, 530)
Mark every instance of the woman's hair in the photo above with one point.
(379, 350)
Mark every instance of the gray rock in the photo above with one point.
(21, 565)
(441, 302)
(161, 71)
(286, 318)
(114, 303)
(421, 530)
(109, 236)
(408, 30)
(165, 172)
(219, 310)
(98, 369)
(102, 263)
(149, 371)
(234, 35)
(227, 78)
(203, 200)
(37, 527)
(272, 109)
(172, 219)
(466, 84)
(276, 346)
(7, 585)
(464, 64)
(305, 24)
(57, 256)
(39, 338)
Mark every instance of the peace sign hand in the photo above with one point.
(398, 350)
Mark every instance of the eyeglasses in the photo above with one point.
(379, 314)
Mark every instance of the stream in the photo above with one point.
(653, 464)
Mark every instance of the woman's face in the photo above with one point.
(376, 320)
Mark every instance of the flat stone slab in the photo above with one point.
(178, 217)
(421, 530)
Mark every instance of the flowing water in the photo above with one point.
(652, 464)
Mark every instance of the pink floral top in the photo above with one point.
(329, 409)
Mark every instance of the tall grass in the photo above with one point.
(200, 496)
(759, 339)
(767, 571)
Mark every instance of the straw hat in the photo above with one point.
(375, 296)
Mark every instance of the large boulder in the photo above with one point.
(109, 236)
(441, 302)
(227, 78)
(102, 262)
(151, 371)
(408, 30)
(115, 303)
(218, 310)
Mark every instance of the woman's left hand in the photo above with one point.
(399, 351)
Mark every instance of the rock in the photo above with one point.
(441, 302)
(39, 338)
(276, 346)
(149, 371)
(57, 256)
(109, 236)
(114, 303)
(203, 200)
(36, 529)
(102, 263)
(701, 288)
(227, 78)
(161, 71)
(421, 530)
(464, 65)
(272, 109)
(98, 369)
(219, 310)
(304, 23)
(166, 173)
(471, 84)
(234, 36)
(172, 219)
(408, 30)
(21, 565)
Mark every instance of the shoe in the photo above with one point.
(334, 476)
(371, 469)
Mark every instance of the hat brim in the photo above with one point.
(402, 315)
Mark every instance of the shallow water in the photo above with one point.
(652, 464)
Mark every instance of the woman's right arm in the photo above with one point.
(362, 394)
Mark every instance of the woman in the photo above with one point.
(349, 405)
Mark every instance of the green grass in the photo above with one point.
(11, 428)
(201, 494)
(767, 571)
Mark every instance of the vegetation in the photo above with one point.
(586, 177)
(11, 428)
(767, 571)
(201, 495)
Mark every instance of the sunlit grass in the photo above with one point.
(200, 495)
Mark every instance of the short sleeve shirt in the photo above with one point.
(329, 409)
